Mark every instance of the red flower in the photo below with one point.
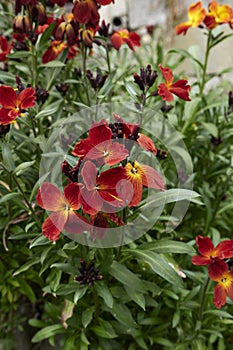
(219, 272)
(99, 145)
(139, 175)
(124, 36)
(179, 88)
(60, 3)
(146, 143)
(209, 254)
(196, 14)
(86, 12)
(100, 190)
(5, 49)
(105, 2)
(63, 208)
(13, 103)
(55, 48)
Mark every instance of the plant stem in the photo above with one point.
(203, 298)
(207, 52)
(84, 57)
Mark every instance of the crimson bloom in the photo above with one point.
(13, 103)
(99, 191)
(99, 145)
(124, 36)
(218, 14)
(139, 175)
(179, 88)
(63, 208)
(196, 14)
(219, 272)
(5, 49)
(86, 12)
(210, 254)
(54, 50)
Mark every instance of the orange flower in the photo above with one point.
(13, 103)
(196, 14)
(179, 88)
(218, 14)
(124, 36)
(139, 175)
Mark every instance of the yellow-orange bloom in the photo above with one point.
(218, 14)
(196, 14)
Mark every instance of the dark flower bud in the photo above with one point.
(150, 29)
(32, 36)
(104, 29)
(166, 108)
(38, 14)
(88, 273)
(71, 173)
(138, 80)
(117, 130)
(19, 84)
(41, 95)
(22, 24)
(78, 72)
(146, 77)
(216, 140)
(4, 129)
(230, 100)
(98, 81)
(161, 154)
(62, 88)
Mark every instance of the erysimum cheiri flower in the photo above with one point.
(5, 48)
(124, 36)
(100, 191)
(218, 14)
(196, 14)
(55, 48)
(86, 12)
(63, 208)
(14, 103)
(100, 146)
(139, 175)
(210, 254)
(179, 88)
(219, 272)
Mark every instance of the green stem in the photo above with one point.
(203, 298)
(34, 78)
(84, 58)
(204, 71)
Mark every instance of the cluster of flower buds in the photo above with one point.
(96, 82)
(88, 273)
(146, 78)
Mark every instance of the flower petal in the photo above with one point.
(72, 195)
(49, 197)
(205, 246)
(217, 270)
(220, 295)
(116, 40)
(89, 173)
(151, 178)
(146, 143)
(181, 89)
(165, 93)
(201, 260)
(167, 74)
(27, 98)
(76, 223)
(5, 118)
(8, 97)
(91, 201)
(224, 250)
(54, 224)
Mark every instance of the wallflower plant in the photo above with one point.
(116, 163)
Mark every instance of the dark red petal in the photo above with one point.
(201, 260)
(53, 225)
(99, 132)
(91, 201)
(27, 98)
(8, 97)
(151, 178)
(167, 74)
(99, 226)
(205, 246)
(217, 270)
(5, 118)
(89, 173)
(49, 197)
(76, 223)
(181, 89)
(165, 93)
(224, 250)
(219, 296)
(82, 147)
(72, 195)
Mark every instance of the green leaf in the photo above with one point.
(186, 54)
(211, 128)
(40, 240)
(26, 266)
(27, 290)
(7, 156)
(104, 293)
(168, 246)
(80, 292)
(158, 264)
(87, 316)
(49, 110)
(52, 64)
(47, 332)
(123, 315)
(105, 330)
(137, 297)
(19, 54)
(21, 168)
(67, 312)
(131, 89)
(9, 196)
(126, 277)
(218, 313)
(225, 208)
